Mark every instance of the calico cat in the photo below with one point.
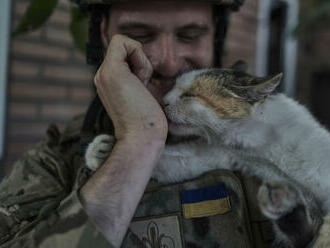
(227, 119)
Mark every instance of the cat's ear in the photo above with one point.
(240, 65)
(263, 87)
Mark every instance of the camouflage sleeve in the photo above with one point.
(37, 205)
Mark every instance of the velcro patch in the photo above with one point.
(156, 231)
(204, 202)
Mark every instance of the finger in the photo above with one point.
(140, 64)
(116, 51)
(126, 50)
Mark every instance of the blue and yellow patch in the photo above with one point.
(205, 202)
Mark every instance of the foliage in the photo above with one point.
(36, 15)
(79, 28)
(39, 12)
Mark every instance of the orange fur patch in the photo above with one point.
(210, 93)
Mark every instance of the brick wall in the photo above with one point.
(242, 33)
(49, 81)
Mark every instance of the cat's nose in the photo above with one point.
(168, 99)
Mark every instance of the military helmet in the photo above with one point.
(233, 4)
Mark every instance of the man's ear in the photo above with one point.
(240, 65)
(104, 33)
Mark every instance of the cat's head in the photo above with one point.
(209, 99)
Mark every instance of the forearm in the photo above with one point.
(111, 196)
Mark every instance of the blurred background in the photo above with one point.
(44, 77)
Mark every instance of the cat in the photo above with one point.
(228, 119)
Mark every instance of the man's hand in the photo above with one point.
(112, 194)
(121, 84)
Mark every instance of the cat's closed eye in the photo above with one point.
(188, 94)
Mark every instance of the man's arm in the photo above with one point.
(36, 206)
(111, 196)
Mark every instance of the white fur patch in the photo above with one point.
(98, 151)
(182, 83)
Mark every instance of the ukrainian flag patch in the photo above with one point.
(204, 202)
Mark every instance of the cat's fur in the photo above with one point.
(227, 119)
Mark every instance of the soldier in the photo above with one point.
(49, 199)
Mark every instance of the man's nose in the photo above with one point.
(167, 62)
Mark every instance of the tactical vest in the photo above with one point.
(210, 211)
(217, 209)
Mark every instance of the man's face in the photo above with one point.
(176, 36)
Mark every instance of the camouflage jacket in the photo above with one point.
(39, 205)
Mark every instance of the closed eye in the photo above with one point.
(141, 37)
(188, 94)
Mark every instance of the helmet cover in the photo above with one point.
(233, 4)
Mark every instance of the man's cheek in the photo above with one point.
(202, 58)
(204, 53)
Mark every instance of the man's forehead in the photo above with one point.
(162, 5)
(148, 11)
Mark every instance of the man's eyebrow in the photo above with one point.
(134, 25)
(139, 25)
(201, 27)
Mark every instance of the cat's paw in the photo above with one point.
(277, 199)
(98, 151)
